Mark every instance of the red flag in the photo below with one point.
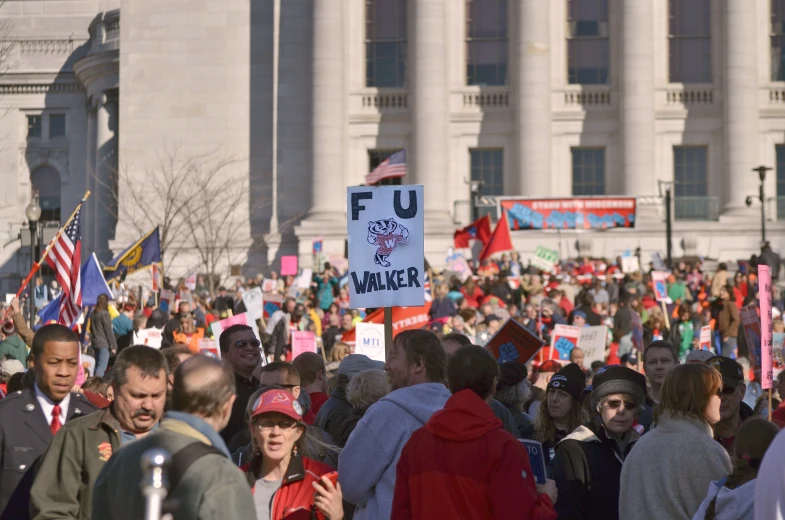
(499, 241)
(404, 318)
(480, 230)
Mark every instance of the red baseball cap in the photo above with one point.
(279, 401)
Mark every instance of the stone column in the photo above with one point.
(428, 68)
(636, 107)
(88, 233)
(532, 95)
(105, 175)
(740, 104)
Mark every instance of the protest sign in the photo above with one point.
(659, 281)
(764, 284)
(303, 341)
(304, 280)
(386, 248)
(253, 300)
(165, 303)
(317, 245)
(190, 282)
(544, 258)
(570, 213)
(272, 303)
(592, 341)
(288, 265)
(156, 277)
(151, 337)
(536, 459)
(218, 326)
(656, 261)
(563, 340)
(9, 297)
(637, 332)
(370, 340)
(630, 264)
(208, 347)
(403, 318)
(751, 323)
(513, 342)
(705, 338)
(457, 263)
(269, 285)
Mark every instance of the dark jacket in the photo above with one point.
(334, 412)
(522, 421)
(592, 318)
(279, 339)
(64, 486)
(503, 414)
(25, 435)
(101, 333)
(729, 443)
(167, 336)
(587, 471)
(244, 388)
(548, 447)
(622, 322)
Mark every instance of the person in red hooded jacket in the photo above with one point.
(462, 463)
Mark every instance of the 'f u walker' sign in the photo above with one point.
(386, 251)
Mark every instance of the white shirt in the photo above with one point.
(47, 405)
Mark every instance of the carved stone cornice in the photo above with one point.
(39, 88)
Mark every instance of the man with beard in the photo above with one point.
(242, 352)
(64, 485)
(732, 410)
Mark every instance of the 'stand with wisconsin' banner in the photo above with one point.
(570, 213)
(386, 248)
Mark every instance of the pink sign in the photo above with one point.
(764, 283)
(659, 281)
(303, 342)
(288, 265)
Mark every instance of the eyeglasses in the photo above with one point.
(269, 424)
(242, 343)
(726, 390)
(614, 404)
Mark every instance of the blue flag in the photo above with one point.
(51, 312)
(143, 253)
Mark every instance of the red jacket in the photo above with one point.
(317, 400)
(294, 499)
(462, 464)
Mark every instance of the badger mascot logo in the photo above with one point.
(386, 235)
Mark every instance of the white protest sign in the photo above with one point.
(151, 337)
(370, 340)
(304, 280)
(252, 299)
(592, 341)
(457, 263)
(630, 264)
(190, 282)
(386, 248)
(544, 258)
(269, 285)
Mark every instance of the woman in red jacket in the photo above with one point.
(287, 485)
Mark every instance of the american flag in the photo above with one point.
(393, 166)
(66, 260)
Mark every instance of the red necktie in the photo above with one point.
(55, 424)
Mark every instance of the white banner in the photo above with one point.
(151, 337)
(252, 298)
(630, 264)
(370, 340)
(386, 248)
(592, 341)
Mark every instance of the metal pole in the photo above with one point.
(475, 209)
(668, 227)
(388, 332)
(762, 214)
(155, 483)
(31, 299)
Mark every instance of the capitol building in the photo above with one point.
(291, 101)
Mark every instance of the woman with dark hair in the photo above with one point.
(668, 471)
(102, 336)
(728, 320)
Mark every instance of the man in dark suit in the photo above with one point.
(30, 418)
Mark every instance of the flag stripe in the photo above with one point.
(65, 259)
(393, 166)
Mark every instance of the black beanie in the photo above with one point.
(615, 379)
(510, 374)
(571, 379)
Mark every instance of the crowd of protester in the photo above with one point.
(669, 430)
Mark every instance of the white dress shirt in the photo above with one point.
(47, 405)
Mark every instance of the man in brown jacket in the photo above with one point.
(64, 484)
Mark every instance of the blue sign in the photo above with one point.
(536, 459)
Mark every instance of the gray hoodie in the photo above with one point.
(732, 504)
(366, 466)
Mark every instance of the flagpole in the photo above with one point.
(37, 265)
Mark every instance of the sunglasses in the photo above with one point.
(727, 390)
(616, 403)
(269, 424)
(242, 343)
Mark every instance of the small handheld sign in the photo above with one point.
(536, 459)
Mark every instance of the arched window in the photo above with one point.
(46, 181)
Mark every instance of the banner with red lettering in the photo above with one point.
(570, 213)
(403, 318)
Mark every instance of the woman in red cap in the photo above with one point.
(285, 483)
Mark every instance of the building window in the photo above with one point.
(375, 158)
(689, 36)
(46, 182)
(778, 40)
(34, 126)
(690, 174)
(588, 49)
(385, 43)
(488, 167)
(56, 126)
(486, 42)
(780, 181)
(588, 171)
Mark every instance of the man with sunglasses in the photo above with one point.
(733, 411)
(242, 352)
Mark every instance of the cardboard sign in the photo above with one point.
(536, 459)
(304, 280)
(151, 337)
(514, 342)
(272, 303)
(545, 259)
(767, 369)
(269, 285)
(165, 303)
(9, 297)
(288, 265)
(592, 341)
(403, 318)
(386, 247)
(751, 323)
(370, 341)
(318, 245)
(457, 263)
(563, 340)
(303, 341)
(190, 282)
(156, 277)
(705, 337)
(630, 264)
(217, 327)
(659, 281)
(209, 347)
(254, 303)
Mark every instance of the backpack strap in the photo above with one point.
(185, 457)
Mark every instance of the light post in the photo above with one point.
(33, 214)
(762, 196)
(476, 189)
(668, 221)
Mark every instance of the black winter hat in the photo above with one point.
(730, 370)
(615, 379)
(510, 374)
(571, 379)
